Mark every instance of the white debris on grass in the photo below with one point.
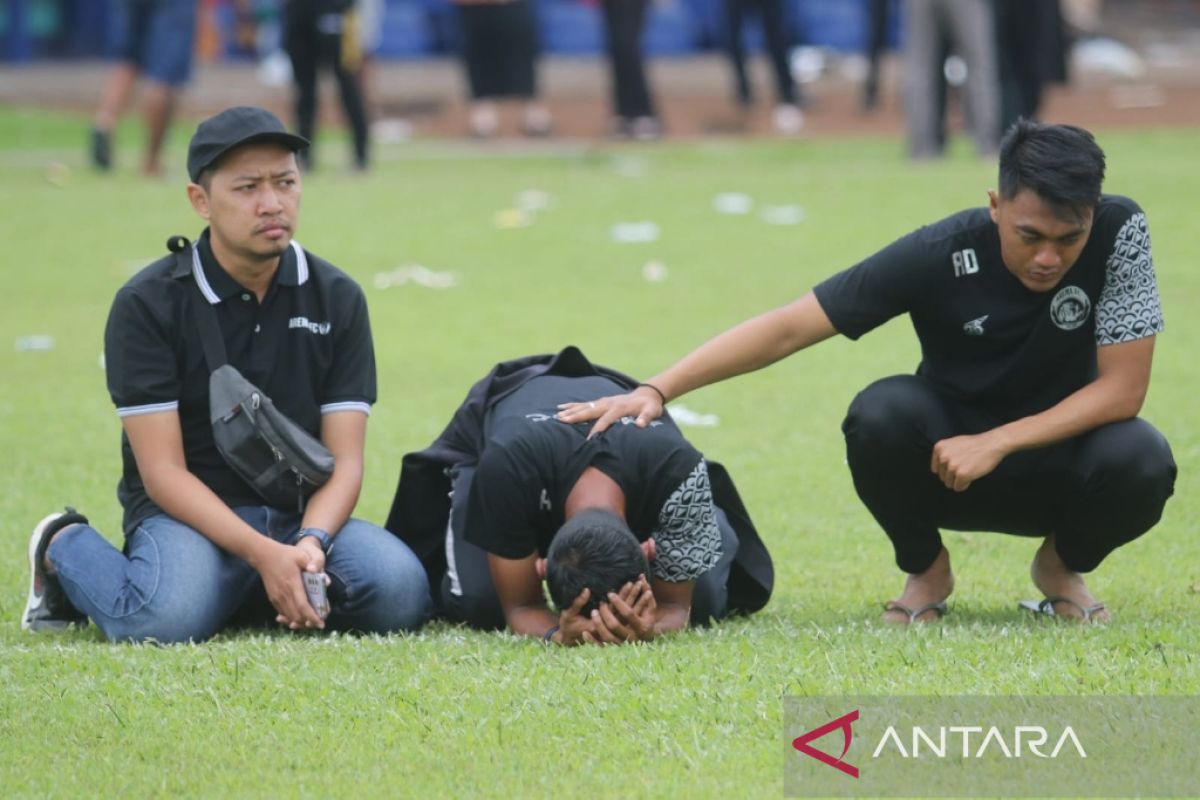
(634, 232)
(732, 203)
(102, 362)
(654, 272)
(58, 174)
(782, 215)
(391, 130)
(630, 166)
(688, 418)
(510, 218)
(532, 201)
(36, 341)
(418, 274)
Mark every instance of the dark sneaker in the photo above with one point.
(101, 150)
(48, 608)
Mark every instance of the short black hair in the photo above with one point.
(1061, 164)
(204, 179)
(595, 550)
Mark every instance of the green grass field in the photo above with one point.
(453, 713)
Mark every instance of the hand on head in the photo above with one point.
(626, 616)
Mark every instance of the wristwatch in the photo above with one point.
(321, 536)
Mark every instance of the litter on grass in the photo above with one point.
(732, 203)
(418, 274)
(691, 419)
(630, 166)
(34, 342)
(634, 232)
(654, 272)
(391, 130)
(532, 201)
(58, 174)
(511, 218)
(782, 215)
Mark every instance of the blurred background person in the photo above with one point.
(499, 51)
(773, 13)
(370, 26)
(323, 34)
(878, 13)
(1031, 46)
(624, 21)
(969, 28)
(155, 41)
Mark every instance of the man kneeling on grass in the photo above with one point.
(634, 531)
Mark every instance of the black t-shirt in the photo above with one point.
(985, 338)
(532, 461)
(307, 346)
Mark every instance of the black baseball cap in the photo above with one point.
(233, 127)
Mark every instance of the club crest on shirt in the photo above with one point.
(1070, 308)
(975, 326)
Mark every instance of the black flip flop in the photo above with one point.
(1045, 607)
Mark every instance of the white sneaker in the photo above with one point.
(645, 129)
(788, 119)
(484, 121)
(48, 607)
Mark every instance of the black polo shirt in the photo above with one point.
(307, 346)
(985, 338)
(532, 462)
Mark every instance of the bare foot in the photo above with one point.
(932, 586)
(1054, 579)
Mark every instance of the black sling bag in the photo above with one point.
(283, 462)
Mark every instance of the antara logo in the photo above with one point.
(942, 742)
(843, 723)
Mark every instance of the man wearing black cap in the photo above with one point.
(201, 546)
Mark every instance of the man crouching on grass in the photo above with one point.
(634, 531)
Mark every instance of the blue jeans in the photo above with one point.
(171, 584)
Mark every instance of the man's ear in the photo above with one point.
(650, 549)
(540, 566)
(994, 205)
(199, 200)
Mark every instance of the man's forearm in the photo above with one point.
(1098, 403)
(530, 621)
(332, 504)
(749, 346)
(186, 498)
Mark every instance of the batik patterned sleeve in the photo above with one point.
(1129, 307)
(687, 539)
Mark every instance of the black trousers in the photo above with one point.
(314, 40)
(624, 20)
(467, 594)
(877, 22)
(774, 22)
(1095, 492)
(499, 48)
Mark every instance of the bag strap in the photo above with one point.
(206, 314)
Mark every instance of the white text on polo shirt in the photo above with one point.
(321, 328)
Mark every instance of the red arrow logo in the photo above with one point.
(843, 722)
